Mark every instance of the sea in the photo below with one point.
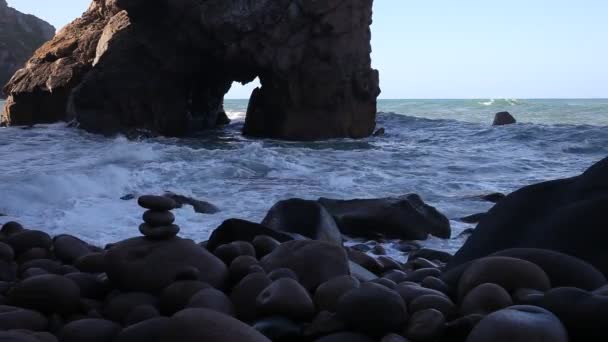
(64, 180)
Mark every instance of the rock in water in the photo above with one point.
(159, 232)
(565, 215)
(312, 58)
(503, 118)
(21, 34)
(406, 217)
(156, 203)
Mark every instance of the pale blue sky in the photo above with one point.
(466, 48)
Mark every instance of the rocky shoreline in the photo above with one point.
(291, 279)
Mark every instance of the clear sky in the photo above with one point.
(466, 48)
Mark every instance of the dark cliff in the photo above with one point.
(164, 66)
(20, 35)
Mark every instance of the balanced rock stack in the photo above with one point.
(158, 219)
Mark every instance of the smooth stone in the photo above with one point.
(91, 286)
(366, 261)
(345, 337)
(6, 252)
(33, 254)
(158, 218)
(329, 293)
(372, 309)
(140, 264)
(176, 296)
(18, 336)
(285, 297)
(10, 228)
(389, 264)
(23, 240)
(18, 318)
(393, 338)
(68, 248)
(264, 245)
(410, 292)
(378, 250)
(425, 325)
(419, 275)
(212, 299)
(239, 267)
(485, 299)
(91, 263)
(324, 323)
(158, 203)
(51, 266)
(141, 313)
(230, 251)
(385, 282)
(396, 276)
(119, 306)
(46, 293)
(431, 254)
(459, 329)
(421, 263)
(309, 260)
(196, 325)
(282, 273)
(509, 273)
(89, 330)
(528, 297)
(519, 324)
(358, 272)
(435, 284)
(278, 328)
(160, 232)
(430, 301)
(33, 272)
(147, 331)
(245, 293)
(199, 206)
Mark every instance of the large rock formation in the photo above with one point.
(164, 66)
(20, 35)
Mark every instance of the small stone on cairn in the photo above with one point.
(158, 220)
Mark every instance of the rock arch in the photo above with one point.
(165, 65)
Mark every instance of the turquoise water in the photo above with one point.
(65, 180)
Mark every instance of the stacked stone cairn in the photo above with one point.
(158, 219)
(249, 282)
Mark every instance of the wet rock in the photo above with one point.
(431, 301)
(409, 292)
(485, 299)
(503, 118)
(90, 285)
(329, 293)
(33, 254)
(90, 330)
(239, 267)
(139, 264)
(405, 218)
(431, 254)
(285, 297)
(278, 328)
(10, 228)
(6, 252)
(51, 266)
(324, 323)
(264, 245)
(230, 251)
(159, 232)
(18, 318)
(425, 325)
(519, 323)
(147, 331)
(23, 240)
(241, 230)
(212, 299)
(194, 325)
(91, 263)
(475, 218)
(199, 206)
(459, 329)
(367, 262)
(372, 309)
(510, 273)
(157, 203)
(310, 260)
(302, 217)
(420, 274)
(47, 294)
(435, 284)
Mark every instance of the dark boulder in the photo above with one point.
(18, 318)
(519, 324)
(329, 293)
(212, 299)
(279, 329)
(139, 264)
(287, 298)
(176, 296)
(565, 215)
(68, 248)
(120, 305)
(147, 331)
(23, 240)
(157, 203)
(406, 218)
(503, 118)
(244, 295)
(425, 325)
(313, 261)
(230, 251)
(241, 230)
(302, 217)
(90, 330)
(484, 299)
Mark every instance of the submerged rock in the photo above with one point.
(164, 68)
(503, 118)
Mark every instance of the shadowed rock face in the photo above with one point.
(20, 35)
(164, 66)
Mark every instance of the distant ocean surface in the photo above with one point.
(60, 179)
